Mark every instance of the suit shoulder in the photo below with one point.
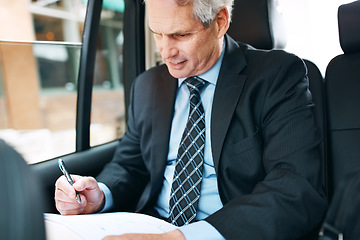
(273, 55)
(152, 73)
(153, 79)
(275, 59)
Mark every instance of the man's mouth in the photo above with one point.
(176, 64)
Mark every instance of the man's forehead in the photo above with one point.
(158, 7)
(176, 29)
(171, 19)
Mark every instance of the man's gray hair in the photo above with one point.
(206, 10)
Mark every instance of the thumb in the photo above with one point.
(85, 183)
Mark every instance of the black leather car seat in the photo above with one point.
(342, 85)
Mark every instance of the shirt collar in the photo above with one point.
(212, 74)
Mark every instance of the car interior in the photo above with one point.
(256, 22)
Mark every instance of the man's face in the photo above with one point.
(186, 47)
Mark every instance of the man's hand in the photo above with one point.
(92, 198)
(173, 235)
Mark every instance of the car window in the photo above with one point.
(108, 108)
(39, 66)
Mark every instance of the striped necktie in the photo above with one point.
(185, 190)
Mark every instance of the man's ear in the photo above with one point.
(222, 21)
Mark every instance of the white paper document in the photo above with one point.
(97, 226)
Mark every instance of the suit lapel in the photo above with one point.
(162, 114)
(227, 93)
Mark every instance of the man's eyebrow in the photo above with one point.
(172, 33)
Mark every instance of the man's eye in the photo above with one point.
(181, 35)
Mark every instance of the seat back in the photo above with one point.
(21, 201)
(342, 85)
(259, 23)
(251, 24)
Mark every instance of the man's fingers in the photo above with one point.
(69, 208)
(80, 184)
(67, 205)
(92, 198)
(65, 196)
(63, 186)
(85, 183)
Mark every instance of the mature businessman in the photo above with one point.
(255, 153)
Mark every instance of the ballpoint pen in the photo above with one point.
(67, 175)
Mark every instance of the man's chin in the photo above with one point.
(179, 73)
(178, 70)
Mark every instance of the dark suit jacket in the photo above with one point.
(265, 146)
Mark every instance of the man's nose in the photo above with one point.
(168, 48)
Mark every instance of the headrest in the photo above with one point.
(258, 23)
(349, 27)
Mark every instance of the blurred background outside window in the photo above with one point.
(40, 43)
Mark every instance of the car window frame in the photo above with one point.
(134, 61)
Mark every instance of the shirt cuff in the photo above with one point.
(109, 202)
(200, 231)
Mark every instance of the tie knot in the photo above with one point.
(195, 84)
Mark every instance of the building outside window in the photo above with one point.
(40, 47)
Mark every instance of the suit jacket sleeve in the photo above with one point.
(269, 169)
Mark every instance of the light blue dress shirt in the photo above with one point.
(209, 201)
